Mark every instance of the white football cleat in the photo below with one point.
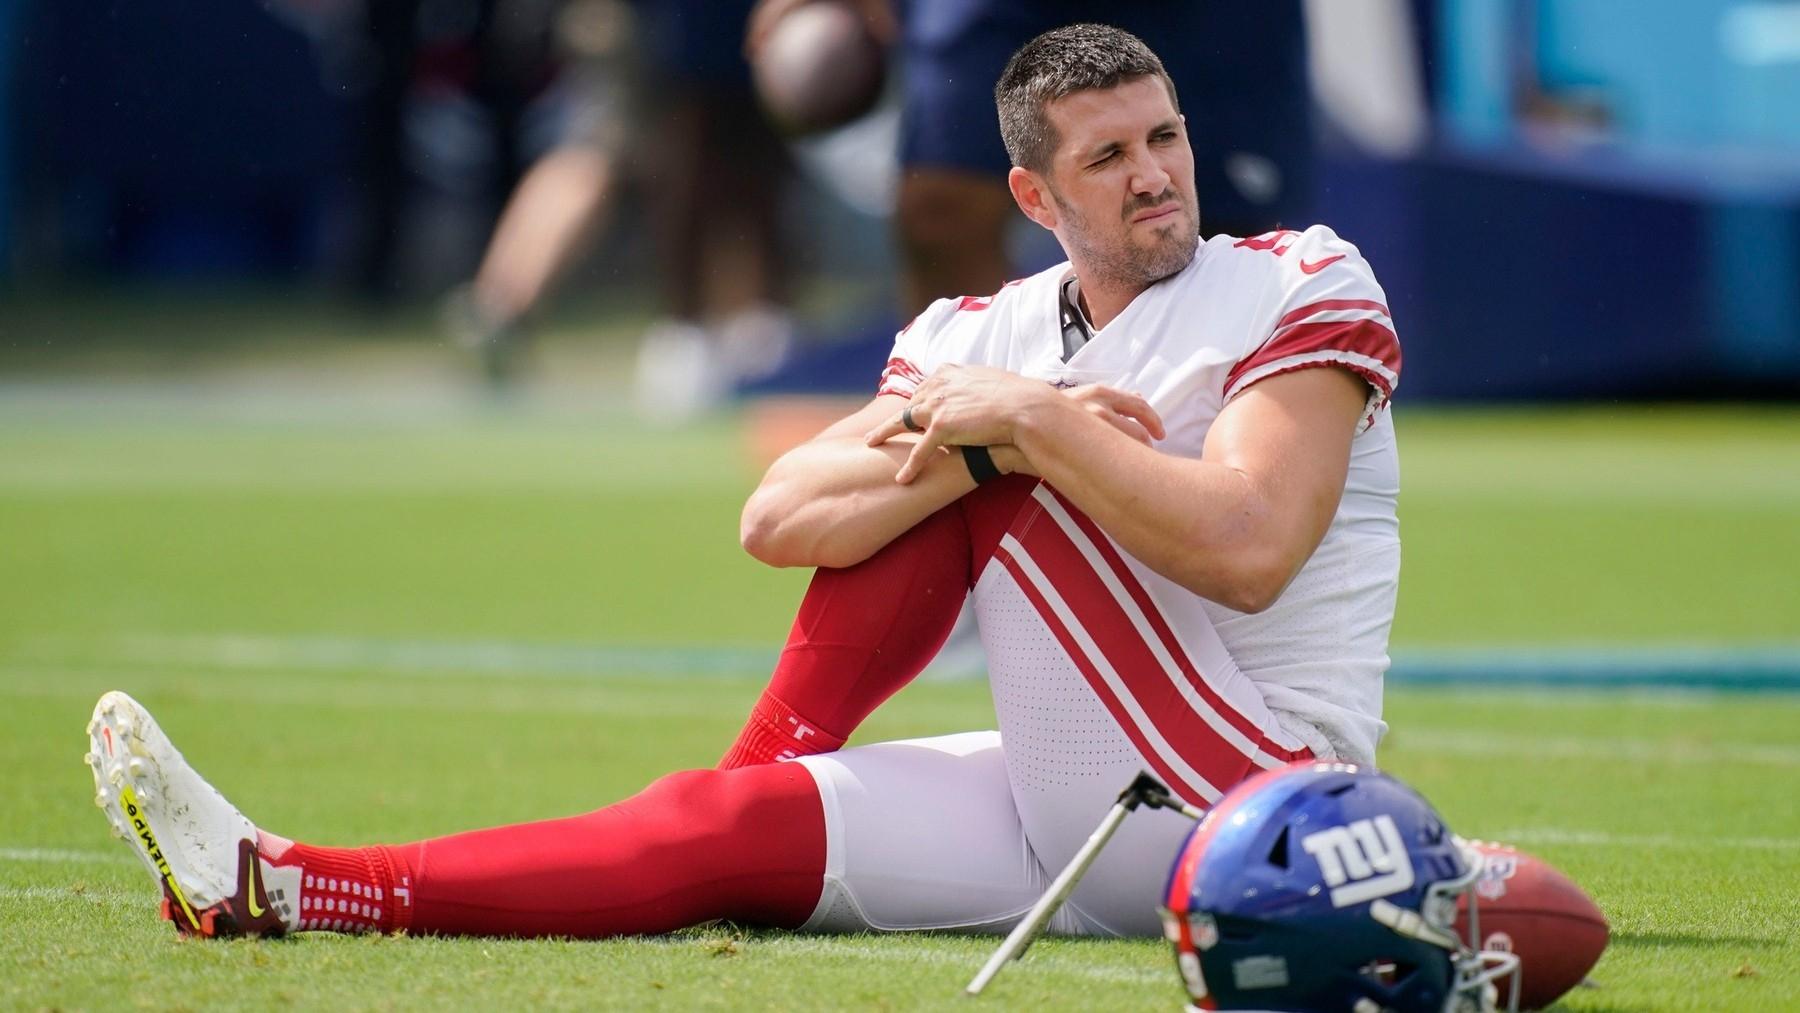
(199, 847)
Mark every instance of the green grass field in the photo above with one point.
(377, 628)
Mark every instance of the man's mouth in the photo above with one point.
(1156, 214)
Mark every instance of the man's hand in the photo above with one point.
(982, 406)
(1127, 412)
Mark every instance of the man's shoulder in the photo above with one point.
(1018, 290)
(1279, 272)
(1290, 254)
(973, 311)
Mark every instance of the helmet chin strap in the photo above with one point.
(1413, 926)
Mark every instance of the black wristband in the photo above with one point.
(981, 464)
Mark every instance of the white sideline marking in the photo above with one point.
(827, 947)
(1528, 747)
(42, 893)
(493, 657)
(1557, 835)
(59, 855)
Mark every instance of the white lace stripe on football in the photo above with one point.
(167, 813)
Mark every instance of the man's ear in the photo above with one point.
(1032, 194)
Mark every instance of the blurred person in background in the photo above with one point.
(554, 106)
(1251, 120)
(518, 103)
(461, 98)
(553, 216)
(713, 174)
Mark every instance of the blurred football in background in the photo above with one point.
(1526, 907)
(819, 67)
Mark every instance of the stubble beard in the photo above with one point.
(1123, 262)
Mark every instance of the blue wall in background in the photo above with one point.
(180, 137)
(1612, 208)
(1675, 74)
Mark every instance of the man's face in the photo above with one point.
(1122, 180)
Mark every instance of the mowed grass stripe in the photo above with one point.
(1757, 668)
(1612, 748)
(522, 456)
(1725, 457)
(1642, 842)
(543, 530)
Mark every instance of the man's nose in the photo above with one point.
(1149, 177)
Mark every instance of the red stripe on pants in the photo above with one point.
(1171, 643)
(1127, 724)
(1139, 671)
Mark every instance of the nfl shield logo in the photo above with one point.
(1495, 871)
(1205, 931)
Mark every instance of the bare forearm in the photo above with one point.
(1201, 524)
(834, 502)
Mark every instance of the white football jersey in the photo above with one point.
(1242, 311)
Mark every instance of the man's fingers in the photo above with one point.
(1136, 407)
(898, 424)
(884, 432)
(1132, 406)
(928, 445)
(1120, 407)
(1123, 423)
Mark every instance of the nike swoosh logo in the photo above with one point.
(256, 910)
(1319, 265)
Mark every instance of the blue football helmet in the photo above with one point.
(1327, 888)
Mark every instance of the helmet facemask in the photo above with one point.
(1473, 989)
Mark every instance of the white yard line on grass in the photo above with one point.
(826, 947)
(1600, 838)
(412, 656)
(60, 855)
(1530, 747)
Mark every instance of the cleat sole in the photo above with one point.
(173, 821)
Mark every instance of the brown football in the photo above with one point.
(1525, 906)
(818, 68)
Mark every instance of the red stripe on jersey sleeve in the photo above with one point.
(899, 377)
(1324, 305)
(1361, 339)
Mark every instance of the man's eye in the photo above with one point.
(1108, 157)
(1164, 137)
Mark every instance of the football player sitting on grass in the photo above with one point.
(1165, 471)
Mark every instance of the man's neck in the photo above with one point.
(1101, 301)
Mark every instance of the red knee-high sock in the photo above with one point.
(747, 844)
(862, 632)
(865, 631)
